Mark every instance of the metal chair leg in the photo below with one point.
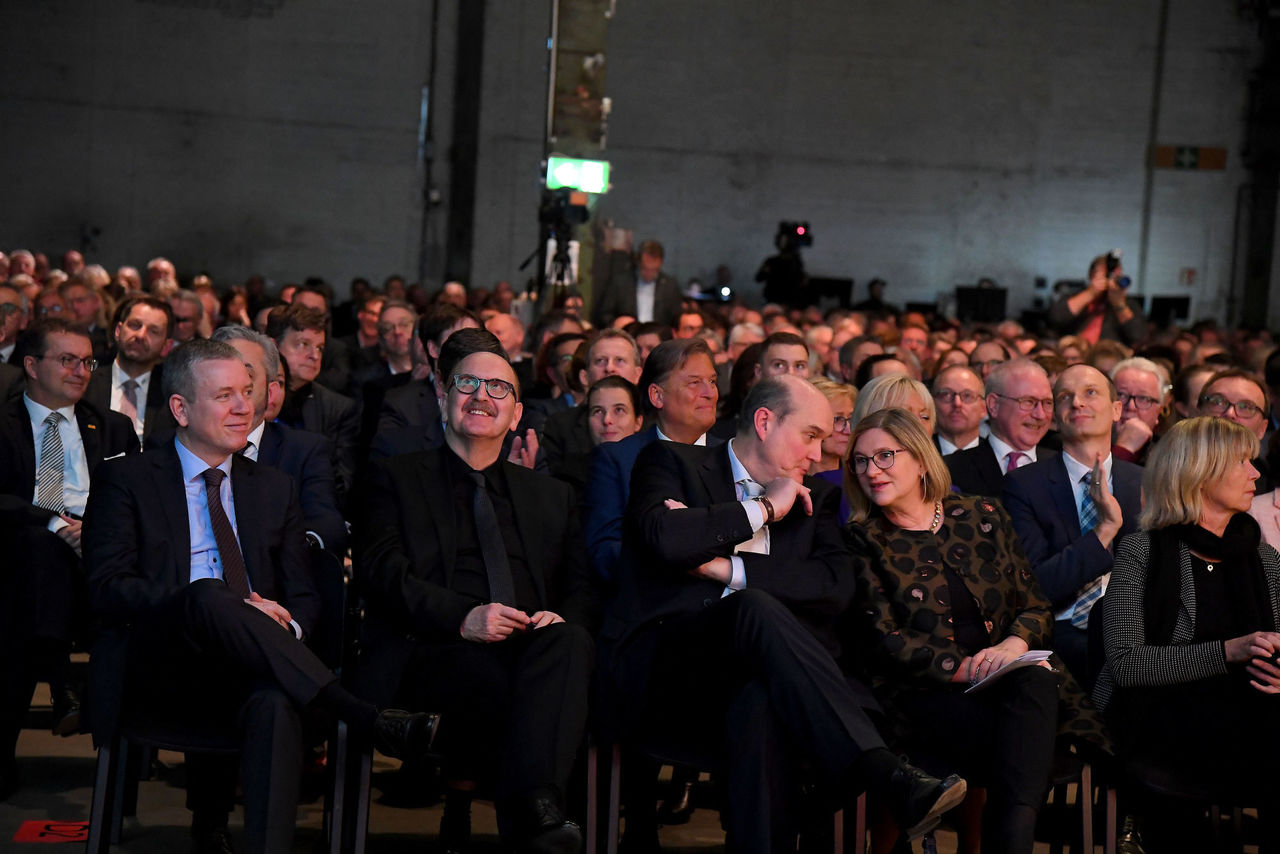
(1086, 807)
(593, 796)
(615, 798)
(103, 797)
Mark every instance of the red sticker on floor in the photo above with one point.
(52, 831)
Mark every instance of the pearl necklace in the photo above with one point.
(937, 517)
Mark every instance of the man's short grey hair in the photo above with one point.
(1139, 363)
(180, 365)
(1002, 374)
(771, 393)
(190, 297)
(741, 330)
(270, 353)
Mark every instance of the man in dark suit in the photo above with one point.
(678, 387)
(299, 333)
(197, 567)
(132, 384)
(306, 457)
(1019, 410)
(45, 466)
(11, 381)
(637, 288)
(393, 367)
(1067, 519)
(479, 600)
(733, 572)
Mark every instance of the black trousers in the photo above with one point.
(42, 595)
(516, 710)
(743, 681)
(1002, 737)
(208, 659)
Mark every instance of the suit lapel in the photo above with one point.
(991, 471)
(524, 504)
(717, 476)
(1129, 493)
(249, 509)
(26, 445)
(437, 491)
(1063, 493)
(270, 451)
(167, 477)
(91, 427)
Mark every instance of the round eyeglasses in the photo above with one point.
(494, 387)
(882, 459)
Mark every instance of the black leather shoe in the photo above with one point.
(677, 807)
(918, 800)
(214, 839)
(404, 735)
(548, 831)
(66, 712)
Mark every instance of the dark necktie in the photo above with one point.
(233, 571)
(493, 549)
(129, 400)
(52, 466)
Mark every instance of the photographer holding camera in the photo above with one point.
(1102, 309)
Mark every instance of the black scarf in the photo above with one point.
(1237, 548)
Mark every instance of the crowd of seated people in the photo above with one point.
(816, 529)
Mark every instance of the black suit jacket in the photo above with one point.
(808, 567)
(98, 395)
(308, 459)
(137, 551)
(619, 296)
(12, 381)
(336, 417)
(1041, 501)
(976, 471)
(406, 548)
(104, 437)
(565, 443)
(409, 421)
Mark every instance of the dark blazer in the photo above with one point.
(104, 437)
(336, 417)
(605, 499)
(137, 551)
(407, 546)
(1041, 502)
(808, 567)
(619, 295)
(12, 380)
(413, 405)
(98, 395)
(565, 437)
(335, 367)
(308, 459)
(976, 471)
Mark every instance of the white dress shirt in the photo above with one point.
(946, 446)
(118, 377)
(1002, 451)
(646, 297)
(75, 468)
(701, 440)
(1076, 472)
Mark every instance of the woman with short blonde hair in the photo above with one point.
(897, 391)
(1191, 625)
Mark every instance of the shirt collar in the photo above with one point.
(255, 438)
(118, 376)
(701, 440)
(1002, 449)
(39, 412)
(193, 466)
(1076, 470)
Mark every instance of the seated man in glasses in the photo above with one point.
(1070, 509)
(1144, 390)
(1241, 397)
(960, 398)
(50, 443)
(1019, 412)
(480, 603)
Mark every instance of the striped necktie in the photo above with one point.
(52, 464)
(1091, 592)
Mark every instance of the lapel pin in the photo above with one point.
(92, 426)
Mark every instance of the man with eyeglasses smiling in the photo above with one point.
(480, 604)
(1241, 397)
(959, 395)
(51, 441)
(1143, 389)
(1019, 411)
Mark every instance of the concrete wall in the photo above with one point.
(928, 143)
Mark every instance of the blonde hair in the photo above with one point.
(833, 390)
(1193, 453)
(906, 429)
(893, 391)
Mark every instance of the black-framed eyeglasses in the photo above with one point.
(946, 396)
(882, 459)
(1028, 404)
(1140, 402)
(494, 387)
(841, 423)
(69, 362)
(1216, 404)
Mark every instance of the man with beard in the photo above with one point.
(131, 384)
